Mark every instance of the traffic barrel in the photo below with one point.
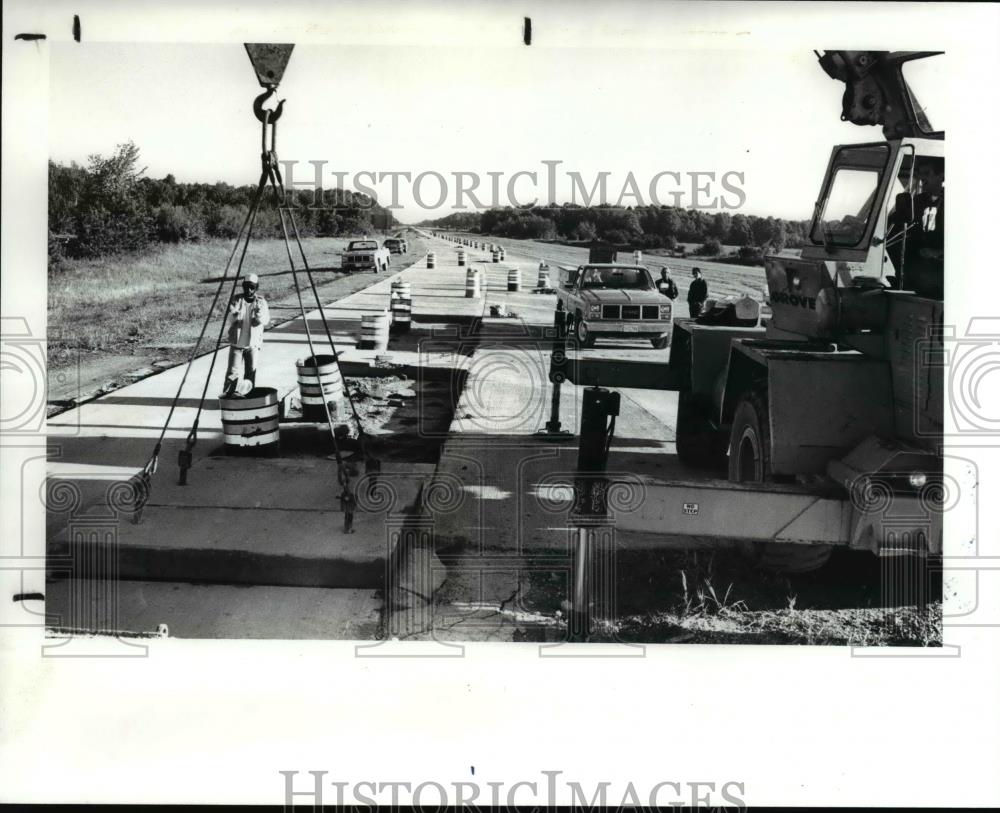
(375, 330)
(250, 423)
(543, 275)
(402, 305)
(472, 289)
(514, 279)
(319, 382)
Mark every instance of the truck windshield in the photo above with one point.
(850, 196)
(362, 245)
(630, 278)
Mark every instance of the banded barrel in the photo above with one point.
(496, 256)
(250, 423)
(402, 305)
(472, 285)
(461, 258)
(319, 383)
(637, 257)
(514, 279)
(543, 275)
(503, 252)
(375, 330)
(431, 260)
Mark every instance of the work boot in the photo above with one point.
(230, 389)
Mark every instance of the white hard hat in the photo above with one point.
(252, 279)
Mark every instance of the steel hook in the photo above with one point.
(267, 116)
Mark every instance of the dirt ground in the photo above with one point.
(80, 367)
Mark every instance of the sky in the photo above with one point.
(771, 115)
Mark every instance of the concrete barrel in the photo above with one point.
(375, 330)
(250, 423)
(514, 279)
(431, 260)
(496, 256)
(402, 305)
(472, 289)
(543, 275)
(461, 258)
(637, 257)
(319, 382)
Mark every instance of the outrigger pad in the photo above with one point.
(269, 61)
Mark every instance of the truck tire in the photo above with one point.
(750, 462)
(583, 334)
(661, 342)
(699, 444)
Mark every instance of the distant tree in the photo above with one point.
(710, 248)
(721, 224)
(739, 231)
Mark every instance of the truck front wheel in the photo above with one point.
(750, 462)
(661, 342)
(583, 334)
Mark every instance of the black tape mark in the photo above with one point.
(29, 37)
(527, 30)
(29, 597)
(76, 27)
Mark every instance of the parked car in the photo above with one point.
(393, 245)
(363, 255)
(606, 299)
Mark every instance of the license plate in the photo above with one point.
(631, 328)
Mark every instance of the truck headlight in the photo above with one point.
(664, 311)
(594, 312)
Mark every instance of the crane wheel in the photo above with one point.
(699, 444)
(750, 462)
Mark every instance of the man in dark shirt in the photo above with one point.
(924, 263)
(697, 293)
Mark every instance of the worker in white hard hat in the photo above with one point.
(248, 316)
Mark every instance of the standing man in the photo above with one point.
(924, 266)
(697, 293)
(666, 284)
(248, 316)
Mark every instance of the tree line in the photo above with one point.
(110, 206)
(642, 226)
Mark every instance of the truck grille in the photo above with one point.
(612, 311)
(631, 312)
(650, 311)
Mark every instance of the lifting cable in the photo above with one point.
(269, 174)
(143, 484)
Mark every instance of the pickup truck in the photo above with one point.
(363, 255)
(608, 299)
(394, 245)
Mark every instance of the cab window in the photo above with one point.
(847, 207)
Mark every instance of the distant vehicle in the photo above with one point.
(605, 299)
(394, 245)
(363, 255)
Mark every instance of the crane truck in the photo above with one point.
(827, 417)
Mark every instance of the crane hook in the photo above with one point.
(267, 116)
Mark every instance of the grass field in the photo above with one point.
(115, 314)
